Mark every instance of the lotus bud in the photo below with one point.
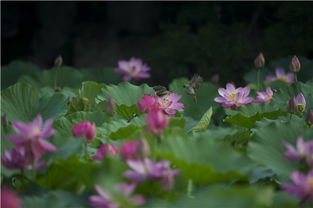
(309, 117)
(156, 121)
(215, 78)
(84, 101)
(300, 102)
(103, 150)
(143, 149)
(259, 61)
(110, 106)
(58, 61)
(292, 105)
(295, 64)
(84, 128)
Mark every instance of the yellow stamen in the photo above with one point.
(232, 95)
(310, 181)
(284, 79)
(36, 130)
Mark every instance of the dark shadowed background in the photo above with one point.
(175, 38)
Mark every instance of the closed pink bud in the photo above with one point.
(143, 149)
(292, 105)
(58, 61)
(295, 64)
(259, 61)
(156, 121)
(85, 129)
(215, 78)
(110, 106)
(300, 102)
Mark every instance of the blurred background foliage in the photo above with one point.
(176, 38)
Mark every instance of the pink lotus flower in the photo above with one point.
(292, 105)
(134, 149)
(150, 169)
(84, 128)
(156, 121)
(232, 97)
(31, 136)
(9, 198)
(302, 186)
(107, 200)
(302, 150)
(295, 65)
(148, 102)
(300, 102)
(282, 76)
(128, 149)
(105, 149)
(264, 96)
(259, 61)
(17, 158)
(170, 103)
(133, 69)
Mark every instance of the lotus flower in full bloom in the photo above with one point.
(169, 104)
(105, 149)
(282, 76)
(302, 185)
(84, 128)
(302, 150)
(32, 136)
(133, 69)
(156, 121)
(264, 96)
(107, 200)
(10, 199)
(150, 169)
(232, 97)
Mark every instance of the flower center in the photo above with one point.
(133, 70)
(301, 107)
(310, 182)
(232, 95)
(36, 131)
(283, 78)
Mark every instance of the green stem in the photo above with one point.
(34, 169)
(22, 174)
(296, 82)
(258, 79)
(190, 188)
(56, 73)
(85, 150)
